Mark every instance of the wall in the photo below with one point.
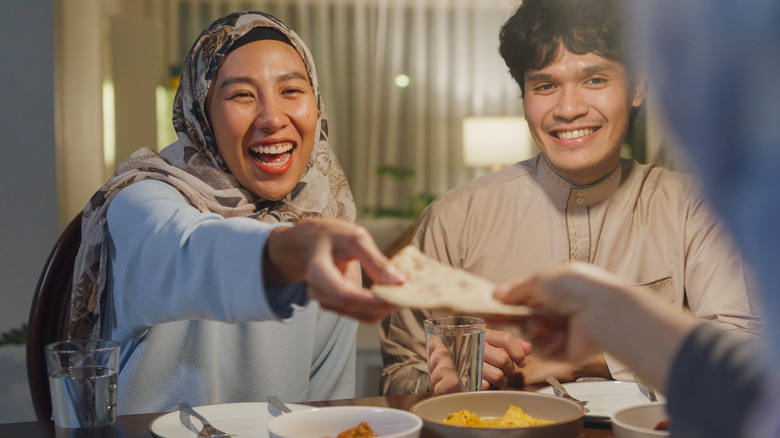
(28, 223)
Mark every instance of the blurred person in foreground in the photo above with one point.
(217, 262)
(714, 65)
(578, 201)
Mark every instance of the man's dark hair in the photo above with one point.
(530, 39)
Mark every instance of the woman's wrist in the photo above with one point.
(279, 262)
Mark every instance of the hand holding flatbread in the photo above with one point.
(434, 285)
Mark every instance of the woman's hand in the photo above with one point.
(327, 254)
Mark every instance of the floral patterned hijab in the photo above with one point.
(194, 166)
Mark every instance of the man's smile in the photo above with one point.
(577, 133)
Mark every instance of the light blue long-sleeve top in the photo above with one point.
(188, 306)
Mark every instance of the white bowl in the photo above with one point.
(639, 421)
(567, 415)
(330, 421)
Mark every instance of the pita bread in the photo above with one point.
(434, 285)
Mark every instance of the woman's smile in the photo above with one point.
(274, 159)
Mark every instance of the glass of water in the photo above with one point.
(83, 381)
(455, 346)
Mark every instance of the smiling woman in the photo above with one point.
(446, 49)
(265, 116)
(234, 243)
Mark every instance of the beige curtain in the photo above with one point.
(447, 48)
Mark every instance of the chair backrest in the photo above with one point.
(49, 313)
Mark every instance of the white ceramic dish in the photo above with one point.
(330, 421)
(566, 414)
(639, 421)
(239, 419)
(604, 397)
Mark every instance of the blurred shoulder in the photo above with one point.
(659, 176)
(658, 185)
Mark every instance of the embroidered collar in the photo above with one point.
(562, 190)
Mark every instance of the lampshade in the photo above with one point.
(496, 141)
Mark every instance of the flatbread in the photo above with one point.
(434, 285)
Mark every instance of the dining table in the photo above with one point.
(137, 425)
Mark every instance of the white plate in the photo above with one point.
(237, 419)
(604, 398)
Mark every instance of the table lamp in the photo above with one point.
(496, 141)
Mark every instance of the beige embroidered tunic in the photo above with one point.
(645, 223)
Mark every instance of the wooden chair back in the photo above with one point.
(49, 313)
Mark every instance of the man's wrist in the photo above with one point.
(594, 367)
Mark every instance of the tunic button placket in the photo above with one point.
(577, 224)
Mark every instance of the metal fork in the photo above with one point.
(278, 404)
(645, 389)
(560, 391)
(207, 430)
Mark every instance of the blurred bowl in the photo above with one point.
(567, 415)
(639, 421)
(330, 421)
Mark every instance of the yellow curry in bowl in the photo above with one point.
(514, 417)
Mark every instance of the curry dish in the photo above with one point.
(362, 430)
(514, 417)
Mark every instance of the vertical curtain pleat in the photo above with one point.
(449, 50)
(229, 6)
(463, 66)
(419, 122)
(303, 15)
(341, 84)
(437, 96)
(324, 59)
(377, 109)
(193, 22)
(394, 151)
(171, 26)
(363, 179)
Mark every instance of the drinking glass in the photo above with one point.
(83, 382)
(455, 346)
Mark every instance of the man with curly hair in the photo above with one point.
(577, 201)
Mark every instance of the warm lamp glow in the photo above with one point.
(496, 141)
(109, 127)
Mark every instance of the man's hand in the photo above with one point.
(537, 369)
(504, 356)
(444, 375)
(327, 254)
